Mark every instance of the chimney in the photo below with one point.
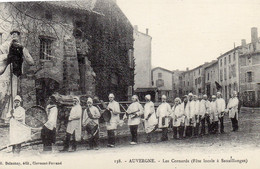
(136, 28)
(187, 69)
(147, 31)
(243, 43)
(254, 35)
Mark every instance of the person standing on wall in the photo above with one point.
(13, 53)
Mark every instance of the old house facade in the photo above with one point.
(74, 46)
(211, 77)
(250, 71)
(229, 72)
(162, 79)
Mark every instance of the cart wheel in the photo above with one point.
(35, 116)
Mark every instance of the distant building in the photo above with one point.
(143, 65)
(229, 72)
(186, 82)
(162, 79)
(250, 71)
(176, 83)
(211, 78)
(198, 75)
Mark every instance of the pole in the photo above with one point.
(11, 83)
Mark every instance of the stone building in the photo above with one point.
(229, 72)
(211, 78)
(176, 83)
(162, 79)
(250, 71)
(186, 82)
(76, 46)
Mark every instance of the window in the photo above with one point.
(221, 75)
(130, 90)
(225, 61)
(249, 77)
(1, 38)
(199, 71)
(184, 83)
(196, 81)
(229, 58)
(45, 48)
(167, 94)
(188, 83)
(208, 75)
(233, 70)
(114, 79)
(199, 80)
(229, 72)
(159, 75)
(229, 90)
(225, 73)
(221, 62)
(234, 57)
(131, 58)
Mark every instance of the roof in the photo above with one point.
(211, 63)
(86, 5)
(239, 47)
(148, 89)
(161, 69)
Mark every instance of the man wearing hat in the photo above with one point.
(221, 106)
(233, 110)
(188, 113)
(195, 108)
(48, 132)
(134, 112)
(93, 113)
(12, 52)
(164, 112)
(205, 115)
(178, 118)
(18, 113)
(214, 115)
(114, 108)
(150, 120)
(74, 125)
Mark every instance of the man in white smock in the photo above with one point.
(233, 110)
(178, 117)
(114, 108)
(134, 112)
(164, 112)
(74, 125)
(221, 107)
(150, 120)
(18, 113)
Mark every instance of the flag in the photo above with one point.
(18, 132)
(218, 85)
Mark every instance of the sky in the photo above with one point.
(188, 33)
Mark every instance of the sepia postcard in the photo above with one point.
(129, 84)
